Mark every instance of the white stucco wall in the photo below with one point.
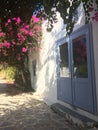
(45, 82)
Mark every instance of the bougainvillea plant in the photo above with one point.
(18, 39)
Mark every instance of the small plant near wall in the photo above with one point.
(7, 72)
(10, 73)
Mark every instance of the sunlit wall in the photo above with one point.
(45, 81)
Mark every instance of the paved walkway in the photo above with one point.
(26, 111)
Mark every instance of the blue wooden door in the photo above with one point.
(64, 77)
(76, 79)
(81, 70)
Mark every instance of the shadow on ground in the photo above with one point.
(10, 89)
(32, 114)
(24, 111)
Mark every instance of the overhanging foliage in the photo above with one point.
(25, 9)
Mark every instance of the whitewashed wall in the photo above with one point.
(45, 82)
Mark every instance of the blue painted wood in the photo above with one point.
(92, 68)
(79, 92)
(83, 94)
(63, 83)
(65, 91)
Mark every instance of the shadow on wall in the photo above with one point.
(47, 78)
(47, 68)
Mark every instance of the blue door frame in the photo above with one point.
(77, 91)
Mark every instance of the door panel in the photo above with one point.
(81, 70)
(65, 92)
(64, 81)
(82, 94)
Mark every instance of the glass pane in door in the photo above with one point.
(80, 57)
(64, 62)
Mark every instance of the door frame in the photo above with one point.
(61, 42)
(91, 60)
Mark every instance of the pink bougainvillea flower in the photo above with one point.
(13, 42)
(31, 33)
(35, 19)
(7, 44)
(20, 37)
(95, 17)
(1, 34)
(6, 24)
(9, 20)
(27, 26)
(24, 49)
(39, 29)
(14, 18)
(24, 30)
(18, 20)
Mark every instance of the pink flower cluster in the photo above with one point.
(95, 17)
(17, 20)
(5, 44)
(35, 19)
(26, 31)
(79, 48)
(24, 49)
(1, 34)
(19, 38)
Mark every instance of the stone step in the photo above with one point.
(73, 116)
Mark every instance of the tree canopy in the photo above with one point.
(45, 9)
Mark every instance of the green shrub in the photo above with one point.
(10, 72)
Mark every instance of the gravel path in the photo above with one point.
(26, 111)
